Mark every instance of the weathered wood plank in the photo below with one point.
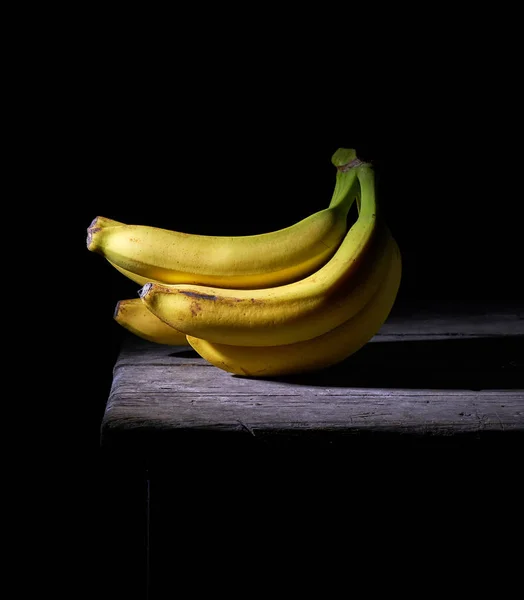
(426, 375)
(419, 326)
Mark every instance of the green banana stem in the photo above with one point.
(366, 180)
(346, 185)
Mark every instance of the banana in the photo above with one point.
(289, 313)
(312, 355)
(105, 222)
(136, 318)
(241, 262)
(133, 276)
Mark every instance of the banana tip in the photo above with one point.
(144, 290)
(93, 228)
(116, 312)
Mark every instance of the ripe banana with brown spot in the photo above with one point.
(318, 353)
(294, 312)
(242, 262)
(132, 315)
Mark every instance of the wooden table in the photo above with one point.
(222, 454)
(423, 377)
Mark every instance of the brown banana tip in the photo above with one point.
(117, 310)
(91, 230)
(144, 290)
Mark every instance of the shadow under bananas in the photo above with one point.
(470, 364)
(480, 363)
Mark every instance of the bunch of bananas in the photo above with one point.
(293, 300)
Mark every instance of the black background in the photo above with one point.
(235, 141)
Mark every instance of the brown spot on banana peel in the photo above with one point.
(213, 298)
(199, 295)
(195, 308)
(352, 164)
(145, 289)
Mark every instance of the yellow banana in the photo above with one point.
(318, 353)
(102, 222)
(106, 222)
(289, 313)
(132, 315)
(133, 276)
(241, 262)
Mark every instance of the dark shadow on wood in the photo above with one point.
(470, 364)
(190, 353)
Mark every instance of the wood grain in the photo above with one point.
(424, 376)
